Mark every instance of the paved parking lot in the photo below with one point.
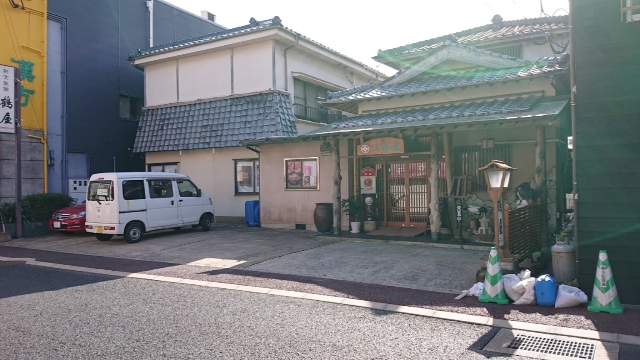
(285, 252)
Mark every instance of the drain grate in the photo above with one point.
(565, 348)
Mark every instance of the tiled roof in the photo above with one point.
(507, 29)
(215, 123)
(523, 106)
(450, 79)
(253, 26)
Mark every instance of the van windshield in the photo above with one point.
(100, 190)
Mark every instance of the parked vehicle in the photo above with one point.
(69, 219)
(130, 204)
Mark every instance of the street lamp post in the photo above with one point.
(497, 173)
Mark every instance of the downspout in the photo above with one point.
(286, 64)
(150, 7)
(574, 166)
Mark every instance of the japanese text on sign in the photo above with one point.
(7, 109)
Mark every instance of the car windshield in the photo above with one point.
(100, 190)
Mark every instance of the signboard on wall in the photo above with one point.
(368, 180)
(381, 146)
(7, 100)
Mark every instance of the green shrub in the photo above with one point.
(8, 213)
(41, 206)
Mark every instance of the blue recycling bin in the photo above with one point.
(252, 212)
(546, 290)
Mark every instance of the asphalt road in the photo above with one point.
(54, 314)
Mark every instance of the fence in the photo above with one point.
(522, 230)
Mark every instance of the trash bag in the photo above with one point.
(476, 289)
(569, 296)
(528, 287)
(509, 280)
(524, 274)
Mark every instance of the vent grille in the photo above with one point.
(564, 348)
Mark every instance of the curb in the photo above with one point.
(470, 319)
(400, 242)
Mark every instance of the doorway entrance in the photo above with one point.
(402, 192)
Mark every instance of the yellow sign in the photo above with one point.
(23, 26)
(381, 146)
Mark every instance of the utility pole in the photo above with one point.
(18, 150)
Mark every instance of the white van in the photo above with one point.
(133, 203)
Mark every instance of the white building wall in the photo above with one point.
(213, 172)
(205, 76)
(252, 67)
(301, 61)
(160, 82)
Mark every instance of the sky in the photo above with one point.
(358, 29)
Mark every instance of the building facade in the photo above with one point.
(206, 95)
(453, 107)
(95, 95)
(24, 29)
(607, 141)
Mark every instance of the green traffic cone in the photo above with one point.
(493, 285)
(605, 295)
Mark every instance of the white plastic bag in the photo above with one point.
(524, 274)
(528, 286)
(569, 296)
(509, 280)
(476, 289)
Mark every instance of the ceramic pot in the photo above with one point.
(355, 227)
(323, 217)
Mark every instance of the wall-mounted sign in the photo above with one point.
(7, 100)
(368, 180)
(381, 146)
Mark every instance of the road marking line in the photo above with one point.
(473, 319)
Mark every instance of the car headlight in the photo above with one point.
(78, 215)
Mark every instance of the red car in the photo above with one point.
(69, 219)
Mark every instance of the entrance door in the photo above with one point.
(406, 192)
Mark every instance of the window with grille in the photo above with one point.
(512, 50)
(630, 10)
(469, 158)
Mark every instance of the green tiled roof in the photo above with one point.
(215, 123)
(463, 112)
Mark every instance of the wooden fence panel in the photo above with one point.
(523, 228)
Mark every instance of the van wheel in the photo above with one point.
(104, 237)
(133, 232)
(205, 222)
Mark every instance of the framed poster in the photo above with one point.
(301, 174)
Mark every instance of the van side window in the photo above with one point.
(133, 189)
(160, 189)
(187, 189)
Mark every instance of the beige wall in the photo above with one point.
(205, 76)
(306, 126)
(252, 67)
(160, 82)
(213, 172)
(285, 208)
(302, 61)
(508, 89)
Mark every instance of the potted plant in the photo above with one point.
(353, 207)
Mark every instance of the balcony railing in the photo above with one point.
(304, 112)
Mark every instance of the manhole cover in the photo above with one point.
(550, 347)
(564, 348)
